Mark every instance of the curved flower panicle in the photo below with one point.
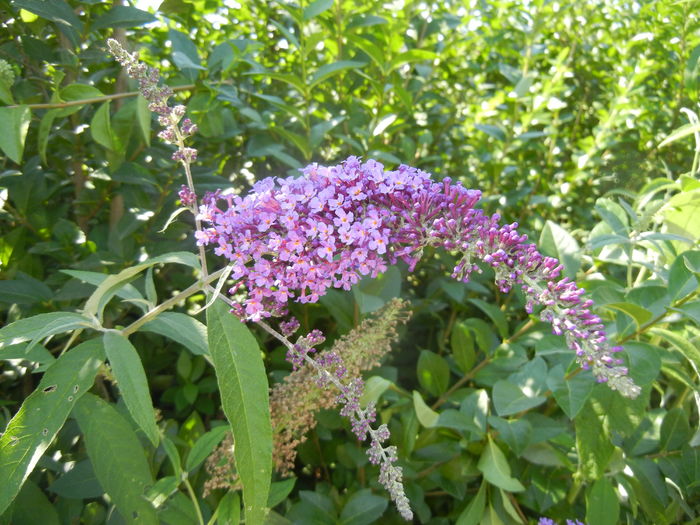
(295, 237)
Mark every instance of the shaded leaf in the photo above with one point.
(316, 7)
(427, 416)
(123, 16)
(14, 124)
(117, 458)
(602, 505)
(362, 508)
(495, 468)
(181, 328)
(204, 446)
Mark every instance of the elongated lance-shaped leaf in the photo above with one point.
(244, 396)
(117, 458)
(40, 326)
(111, 285)
(182, 328)
(133, 385)
(42, 415)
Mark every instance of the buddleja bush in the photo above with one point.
(483, 415)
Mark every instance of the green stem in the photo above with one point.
(462, 381)
(195, 502)
(94, 100)
(166, 305)
(658, 318)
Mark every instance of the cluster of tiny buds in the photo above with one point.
(157, 97)
(187, 196)
(304, 346)
(289, 327)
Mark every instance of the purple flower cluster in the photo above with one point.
(547, 521)
(294, 238)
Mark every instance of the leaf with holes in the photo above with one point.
(42, 415)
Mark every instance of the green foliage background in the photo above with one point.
(556, 110)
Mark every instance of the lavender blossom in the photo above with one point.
(293, 238)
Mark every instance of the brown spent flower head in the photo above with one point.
(295, 401)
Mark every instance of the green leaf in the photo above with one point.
(375, 386)
(495, 314)
(681, 343)
(45, 131)
(426, 415)
(317, 7)
(592, 444)
(57, 11)
(79, 482)
(204, 446)
(143, 117)
(73, 92)
(101, 128)
(24, 291)
(681, 281)
(244, 396)
(602, 504)
(181, 328)
(370, 48)
(462, 344)
(570, 394)
(412, 55)
(494, 466)
(508, 399)
(297, 140)
(472, 513)
(33, 507)
(650, 489)
(675, 430)
(515, 433)
(362, 508)
(14, 124)
(117, 457)
(110, 286)
(173, 455)
(556, 242)
(373, 293)
(37, 354)
(279, 490)
(457, 420)
(123, 16)
(165, 487)
(229, 509)
(126, 292)
(42, 414)
(40, 326)
(133, 385)
(328, 70)
(290, 79)
(433, 372)
(639, 314)
(682, 132)
(492, 131)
